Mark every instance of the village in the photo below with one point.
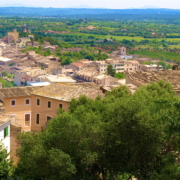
(43, 85)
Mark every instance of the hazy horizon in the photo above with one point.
(113, 4)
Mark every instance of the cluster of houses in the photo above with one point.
(44, 86)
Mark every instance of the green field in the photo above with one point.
(162, 55)
(120, 38)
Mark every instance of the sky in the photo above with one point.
(112, 4)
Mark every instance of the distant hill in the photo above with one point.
(81, 6)
(149, 7)
(88, 12)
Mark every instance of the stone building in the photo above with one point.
(151, 67)
(91, 75)
(15, 34)
(120, 65)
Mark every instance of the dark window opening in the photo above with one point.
(48, 118)
(49, 104)
(38, 102)
(37, 118)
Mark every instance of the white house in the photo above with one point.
(10, 127)
(5, 121)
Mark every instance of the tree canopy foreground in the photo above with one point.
(120, 137)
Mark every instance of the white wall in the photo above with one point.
(17, 79)
(6, 140)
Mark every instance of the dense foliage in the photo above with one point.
(121, 136)
(120, 75)
(6, 166)
(6, 84)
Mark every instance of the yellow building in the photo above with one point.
(46, 101)
(17, 102)
(34, 106)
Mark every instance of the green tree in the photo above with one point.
(6, 166)
(123, 134)
(111, 71)
(4, 73)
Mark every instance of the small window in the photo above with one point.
(48, 118)
(38, 102)
(6, 131)
(49, 104)
(60, 106)
(27, 101)
(27, 119)
(13, 102)
(37, 118)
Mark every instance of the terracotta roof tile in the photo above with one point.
(66, 92)
(17, 91)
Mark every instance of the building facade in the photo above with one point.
(17, 102)
(46, 101)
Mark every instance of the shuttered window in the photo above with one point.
(6, 131)
(27, 119)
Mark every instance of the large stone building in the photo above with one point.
(91, 75)
(120, 65)
(15, 34)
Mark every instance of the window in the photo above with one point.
(121, 65)
(6, 131)
(27, 101)
(27, 119)
(48, 118)
(120, 69)
(38, 102)
(49, 104)
(37, 118)
(13, 102)
(60, 106)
